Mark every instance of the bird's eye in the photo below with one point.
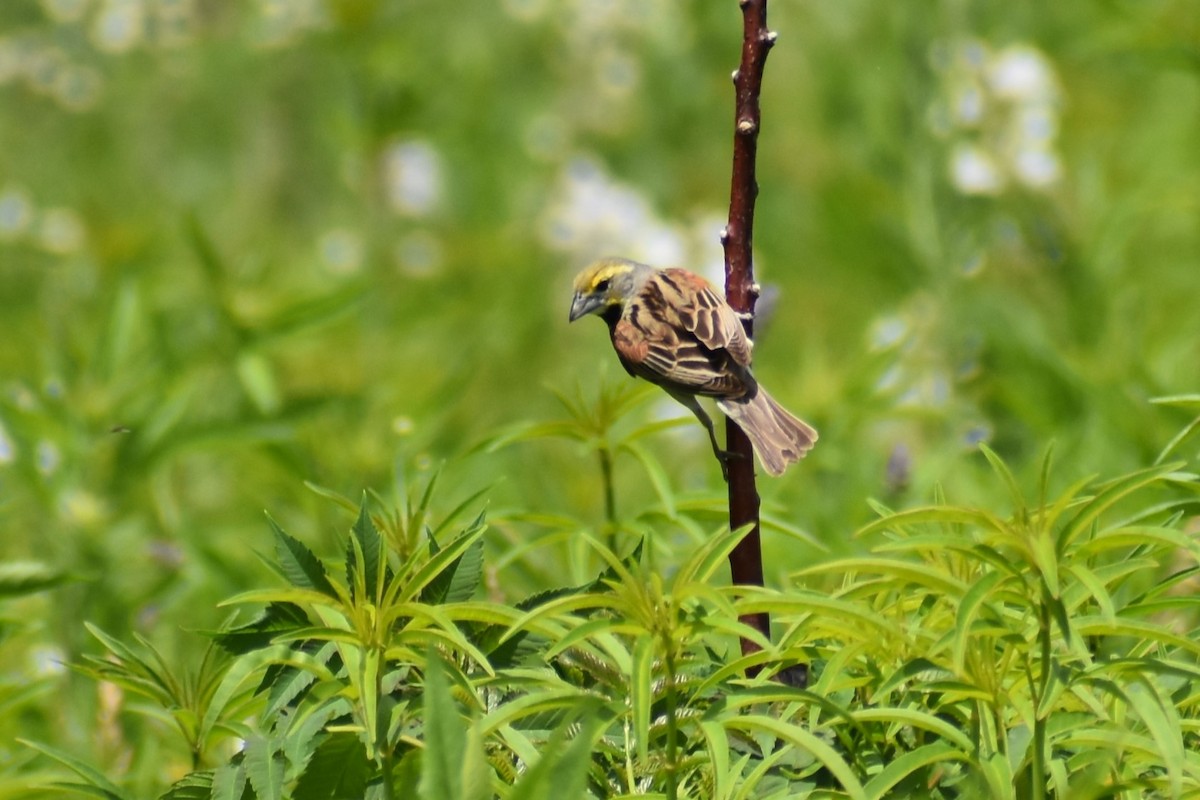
(602, 286)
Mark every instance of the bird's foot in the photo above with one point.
(724, 457)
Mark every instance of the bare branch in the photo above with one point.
(745, 562)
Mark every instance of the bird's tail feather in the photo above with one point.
(779, 439)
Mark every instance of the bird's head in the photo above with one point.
(605, 285)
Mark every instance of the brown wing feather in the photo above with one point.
(655, 338)
(704, 312)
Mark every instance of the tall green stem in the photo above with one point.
(672, 754)
(610, 497)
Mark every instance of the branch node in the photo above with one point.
(769, 37)
(745, 316)
(725, 235)
(737, 73)
(755, 289)
(746, 126)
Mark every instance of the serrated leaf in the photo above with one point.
(276, 619)
(229, 781)
(459, 580)
(337, 768)
(370, 549)
(264, 768)
(194, 786)
(299, 565)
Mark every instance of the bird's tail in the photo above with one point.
(778, 438)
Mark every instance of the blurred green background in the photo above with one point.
(253, 243)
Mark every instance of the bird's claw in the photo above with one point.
(723, 458)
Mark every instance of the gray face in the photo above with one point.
(606, 284)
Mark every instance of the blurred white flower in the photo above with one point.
(412, 176)
(1036, 167)
(16, 213)
(1021, 73)
(174, 22)
(48, 457)
(43, 66)
(419, 254)
(974, 171)
(1008, 99)
(65, 10)
(77, 88)
(119, 26)
(8, 451)
(11, 57)
(341, 250)
(592, 215)
(887, 332)
(525, 10)
(47, 660)
(617, 72)
(707, 257)
(969, 105)
(61, 231)
(546, 137)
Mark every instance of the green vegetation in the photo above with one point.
(246, 247)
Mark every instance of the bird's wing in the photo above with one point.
(653, 343)
(704, 313)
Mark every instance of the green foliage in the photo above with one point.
(245, 245)
(1046, 651)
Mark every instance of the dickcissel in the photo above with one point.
(672, 328)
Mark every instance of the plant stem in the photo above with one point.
(745, 562)
(672, 766)
(610, 498)
(1037, 765)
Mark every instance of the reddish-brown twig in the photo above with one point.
(745, 562)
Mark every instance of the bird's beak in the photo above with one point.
(583, 304)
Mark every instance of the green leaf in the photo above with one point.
(944, 515)
(445, 736)
(561, 771)
(658, 476)
(459, 580)
(968, 609)
(195, 786)
(94, 777)
(1112, 492)
(27, 577)
(440, 562)
(641, 693)
(956, 739)
(338, 768)
(264, 768)
(229, 781)
(370, 550)
(276, 619)
(908, 763)
(298, 564)
(807, 742)
(1020, 508)
(711, 556)
(1161, 718)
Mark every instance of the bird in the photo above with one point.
(673, 328)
